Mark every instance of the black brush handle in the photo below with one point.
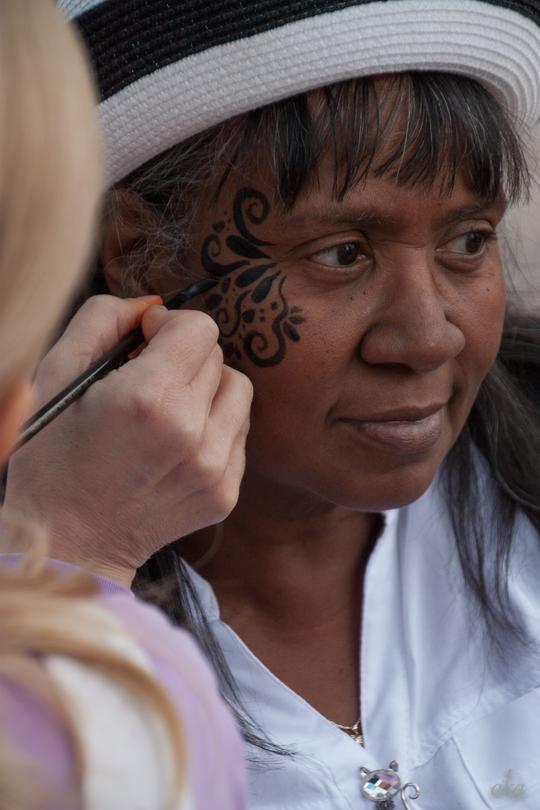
(113, 359)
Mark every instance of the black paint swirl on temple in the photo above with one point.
(211, 250)
(234, 311)
(256, 211)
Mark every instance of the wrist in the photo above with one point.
(115, 573)
(88, 548)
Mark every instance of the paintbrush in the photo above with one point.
(113, 359)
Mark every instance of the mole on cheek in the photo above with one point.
(249, 278)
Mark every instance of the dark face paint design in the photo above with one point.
(255, 293)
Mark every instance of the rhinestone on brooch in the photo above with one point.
(384, 784)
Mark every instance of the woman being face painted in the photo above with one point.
(364, 598)
(365, 320)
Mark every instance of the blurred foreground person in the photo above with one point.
(103, 705)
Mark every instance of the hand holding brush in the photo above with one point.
(113, 359)
(152, 452)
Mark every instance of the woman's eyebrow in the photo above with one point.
(369, 216)
(480, 207)
(337, 217)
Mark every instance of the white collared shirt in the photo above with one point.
(462, 724)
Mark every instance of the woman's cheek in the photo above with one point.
(487, 321)
(481, 321)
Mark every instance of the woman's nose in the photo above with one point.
(412, 326)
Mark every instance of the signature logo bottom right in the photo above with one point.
(507, 788)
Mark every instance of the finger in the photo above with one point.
(228, 423)
(211, 504)
(223, 497)
(183, 340)
(166, 415)
(205, 385)
(231, 405)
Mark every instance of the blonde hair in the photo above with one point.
(50, 184)
(46, 613)
(50, 177)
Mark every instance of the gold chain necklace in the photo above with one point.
(354, 732)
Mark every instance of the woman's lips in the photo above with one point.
(408, 436)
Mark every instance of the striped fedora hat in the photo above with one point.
(168, 69)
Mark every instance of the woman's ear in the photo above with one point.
(15, 408)
(127, 222)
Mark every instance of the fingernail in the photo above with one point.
(149, 298)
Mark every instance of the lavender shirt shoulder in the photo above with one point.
(216, 770)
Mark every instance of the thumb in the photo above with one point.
(96, 328)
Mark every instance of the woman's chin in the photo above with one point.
(387, 491)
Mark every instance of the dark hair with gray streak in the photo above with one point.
(450, 125)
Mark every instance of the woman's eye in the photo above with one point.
(469, 244)
(343, 255)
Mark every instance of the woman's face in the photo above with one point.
(366, 327)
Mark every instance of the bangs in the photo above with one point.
(417, 129)
(414, 128)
